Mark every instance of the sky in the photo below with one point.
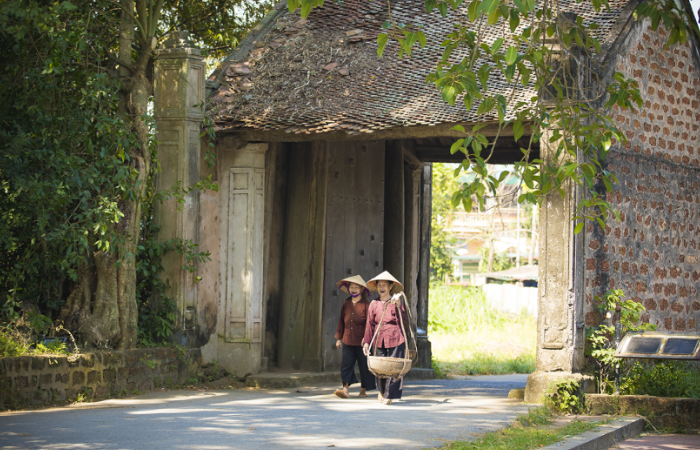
(695, 4)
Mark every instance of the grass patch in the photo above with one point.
(469, 337)
(531, 430)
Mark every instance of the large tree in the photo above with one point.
(78, 153)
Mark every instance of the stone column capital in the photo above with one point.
(179, 81)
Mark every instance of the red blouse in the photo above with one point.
(391, 334)
(351, 325)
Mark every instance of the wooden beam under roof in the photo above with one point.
(507, 151)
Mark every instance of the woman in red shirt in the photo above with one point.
(390, 341)
(351, 330)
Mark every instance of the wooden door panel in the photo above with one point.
(354, 228)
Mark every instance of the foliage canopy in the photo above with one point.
(78, 158)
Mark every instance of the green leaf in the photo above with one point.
(449, 94)
(518, 129)
(608, 186)
(382, 40)
(456, 146)
(511, 55)
(306, 8)
(472, 10)
(485, 7)
(496, 45)
(514, 20)
(422, 39)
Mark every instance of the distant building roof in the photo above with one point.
(323, 75)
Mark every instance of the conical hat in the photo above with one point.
(357, 279)
(385, 276)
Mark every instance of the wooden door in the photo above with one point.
(354, 228)
(245, 255)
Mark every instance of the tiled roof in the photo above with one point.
(323, 74)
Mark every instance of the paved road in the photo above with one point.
(431, 413)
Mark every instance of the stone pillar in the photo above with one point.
(560, 335)
(179, 93)
(424, 348)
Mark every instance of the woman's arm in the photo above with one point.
(341, 327)
(370, 325)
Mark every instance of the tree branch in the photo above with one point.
(142, 11)
(154, 17)
(120, 62)
(133, 17)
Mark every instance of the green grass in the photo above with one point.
(529, 431)
(469, 337)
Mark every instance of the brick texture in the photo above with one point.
(653, 254)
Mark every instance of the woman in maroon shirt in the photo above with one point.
(351, 330)
(390, 341)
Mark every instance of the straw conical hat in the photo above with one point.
(385, 276)
(357, 279)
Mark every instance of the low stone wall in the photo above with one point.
(669, 414)
(39, 380)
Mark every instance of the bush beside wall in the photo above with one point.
(663, 413)
(39, 380)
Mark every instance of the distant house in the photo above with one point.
(507, 223)
(514, 290)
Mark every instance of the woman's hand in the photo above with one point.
(365, 349)
(339, 344)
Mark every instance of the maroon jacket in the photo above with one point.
(391, 334)
(351, 325)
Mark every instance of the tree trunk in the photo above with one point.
(102, 309)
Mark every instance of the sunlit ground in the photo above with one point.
(509, 348)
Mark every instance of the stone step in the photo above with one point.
(604, 437)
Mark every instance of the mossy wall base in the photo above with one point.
(39, 380)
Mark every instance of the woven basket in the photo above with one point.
(386, 367)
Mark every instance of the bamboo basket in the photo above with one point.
(386, 367)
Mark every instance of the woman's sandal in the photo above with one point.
(387, 401)
(379, 397)
(362, 395)
(341, 393)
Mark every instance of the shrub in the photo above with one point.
(565, 397)
(10, 344)
(600, 340)
(662, 379)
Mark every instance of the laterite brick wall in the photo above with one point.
(38, 380)
(653, 254)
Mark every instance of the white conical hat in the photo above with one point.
(385, 276)
(357, 279)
